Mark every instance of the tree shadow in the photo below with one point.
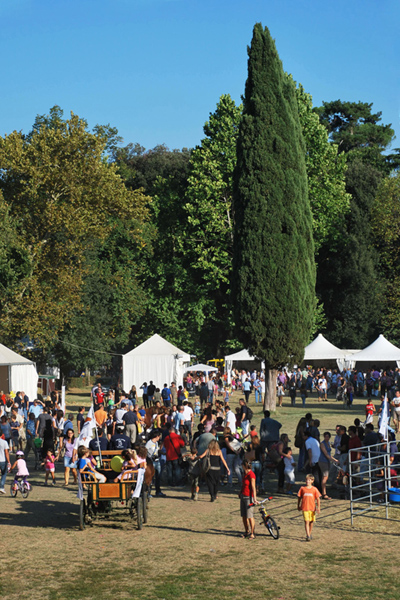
(46, 513)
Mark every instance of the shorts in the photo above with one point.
(68, 462)
(290, 477)
(246, 510)
(50, 470)
(309, 515)
(396, 415)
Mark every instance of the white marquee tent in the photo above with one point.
(242, 356)
(155, 360)
(320, 351)
(380, 351)
(17, 373)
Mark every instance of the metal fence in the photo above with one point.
(372, 479)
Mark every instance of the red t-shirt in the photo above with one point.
(354, 442)
(246, 484)
(173, 444)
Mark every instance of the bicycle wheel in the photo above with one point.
(24, 490)
(272, 527)
(13, 489)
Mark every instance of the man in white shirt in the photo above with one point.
(313, 452)
(230, 419)
(188, 419)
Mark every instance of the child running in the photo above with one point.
(309, 502)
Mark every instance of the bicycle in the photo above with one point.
(268, 521)
(20, 486)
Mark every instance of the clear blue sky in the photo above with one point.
(155, 69)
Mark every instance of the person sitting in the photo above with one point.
(85, 466)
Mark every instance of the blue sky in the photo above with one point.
(155, 69)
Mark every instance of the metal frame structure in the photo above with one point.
(364, 484)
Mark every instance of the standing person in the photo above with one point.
(244, 417)
(395, 404)
(213, 476)
(130, 419)
(257, 390)
(50, 467)
(369, 412)
(313, 453)
(80, 418)
(188, 419)
(309, 503)
(325, 460)
(151, 388)
(344, 447)
(4, 464)
(269, 430)
(153, 452)
(69, 443)
(210, 387)
(203, 393)
(230, 419)
(248, 497)
(166, 395)
(30, 436)
(144, 388)
(247, 389)
(289, 470)
(173, 444)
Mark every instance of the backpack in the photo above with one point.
(249, 413)
(164, 393)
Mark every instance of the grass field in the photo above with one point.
(192, 550)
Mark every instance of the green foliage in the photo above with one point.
(385, 223)
(59, 196)
(326, 175)
(273, 262)
(358, 132)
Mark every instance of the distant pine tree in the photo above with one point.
(273, 262)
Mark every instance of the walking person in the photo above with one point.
(309, 503)
(213, 475)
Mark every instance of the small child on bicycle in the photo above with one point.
(309, 503)
(50, 467)
(22, 469)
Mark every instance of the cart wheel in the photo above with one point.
(25, 490)
(272, 528)
(82, 515)
(139, 512)
(145, 503)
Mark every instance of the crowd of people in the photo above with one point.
(191, 434)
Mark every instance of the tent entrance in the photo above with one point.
(4, 379)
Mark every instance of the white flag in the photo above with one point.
(384, 420)
(88, 426)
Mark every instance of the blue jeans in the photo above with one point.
(257, 467)
(157, 474)
(3, 471)
(258, 395)
(210, 396)
(245, 427)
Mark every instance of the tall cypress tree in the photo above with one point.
(273, 262)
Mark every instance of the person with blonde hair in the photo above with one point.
(213, 475)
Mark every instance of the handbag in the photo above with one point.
(205, 465)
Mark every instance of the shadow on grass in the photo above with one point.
(45, 513)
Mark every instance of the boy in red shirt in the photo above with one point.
(309, 503)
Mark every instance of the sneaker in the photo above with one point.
(161, 495)
(3, 491)
(196, 496)
(308, 539)
(53, 483)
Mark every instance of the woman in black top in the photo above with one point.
(213, 475)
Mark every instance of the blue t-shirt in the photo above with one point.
(6, 430)
(31, 428)
(247, 386)
(165, 393)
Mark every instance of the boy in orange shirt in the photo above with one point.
(309, 503)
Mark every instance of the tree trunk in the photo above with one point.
(270, 389)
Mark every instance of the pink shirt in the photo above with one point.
(22, 468)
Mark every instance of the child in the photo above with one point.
(197, 407)
(85, 464)
(130, 463)
(49, 465)
(289, 470)
(14, 433)
(22, 469)
(280, 393)
(226, 395)
(369, 412)
(309, 502)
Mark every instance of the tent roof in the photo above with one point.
(156, 345)
(241, 355)
(9, 357)
(200, 367)
(321, 349)
(379, 351)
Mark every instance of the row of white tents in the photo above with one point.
(159, 361)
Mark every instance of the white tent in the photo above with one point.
(380, 351)
(155, 360)
(241, 356)
(200, 367)
(320, 351)
(17, 373)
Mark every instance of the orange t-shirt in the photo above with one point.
(308, 496)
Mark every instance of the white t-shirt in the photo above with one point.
(230, 421)
(187, 413)
(119, 413)
(3, 446)
(313, 444)
(396, 403)
(289, 465)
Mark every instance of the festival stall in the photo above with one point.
(321, 353)
(155, 360)
(380, 353)
(17, 373)
(242, 360)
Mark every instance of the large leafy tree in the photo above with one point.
(209, 242)
(59, 194)
(385, 221)
(273, 286)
